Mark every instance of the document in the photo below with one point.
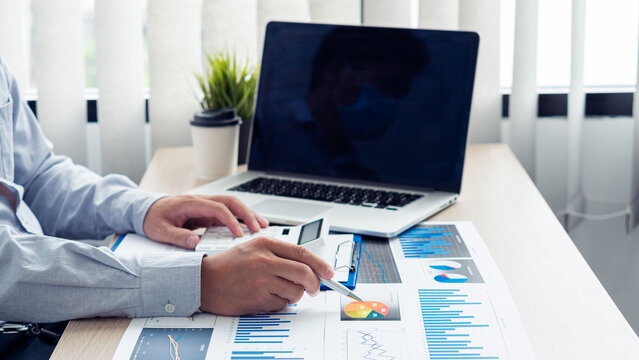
(337, 251)
(434, 292)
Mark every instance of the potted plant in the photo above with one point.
(228, 83)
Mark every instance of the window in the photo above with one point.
(610, 44)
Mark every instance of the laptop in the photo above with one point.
(363, 126)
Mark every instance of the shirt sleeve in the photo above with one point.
(69, 200)
(47, 279)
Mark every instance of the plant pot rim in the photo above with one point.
(216, 118)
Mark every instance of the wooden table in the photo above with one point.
(565, 310)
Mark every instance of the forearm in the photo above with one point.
(70, 201)
(48, 279)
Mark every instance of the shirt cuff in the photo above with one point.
(170, 285)
(143, 209)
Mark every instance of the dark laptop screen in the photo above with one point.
(383, 105)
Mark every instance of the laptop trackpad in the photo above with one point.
(289, 209)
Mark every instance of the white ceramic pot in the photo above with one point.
(215, 135)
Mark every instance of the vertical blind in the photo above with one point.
(337, 12)
(576, 107)
(175, 52)
(482, 16)
(523, 99)
(58, 59)
(230, 25)
(633, 202)
(121, 105)
(14, 44)
(439, 14)
(387, 13)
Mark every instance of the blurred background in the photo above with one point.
(113, 80)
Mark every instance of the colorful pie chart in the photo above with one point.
(366, 310)
(445, 265)
(451, 278)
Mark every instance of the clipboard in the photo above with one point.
(354, 266)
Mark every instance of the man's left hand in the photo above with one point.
(172, 219)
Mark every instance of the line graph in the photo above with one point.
(174, 348)
(376, 344)
(182, 343)
(377, 264)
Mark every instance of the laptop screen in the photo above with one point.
(381, 105)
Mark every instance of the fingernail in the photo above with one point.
(313, 294)
(255, 225)
(191, 241)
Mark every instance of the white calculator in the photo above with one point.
(309, 235)
(336, 250)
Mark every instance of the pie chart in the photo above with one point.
(451, 278)
(366, 310)
(445, 265)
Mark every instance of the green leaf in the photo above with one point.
(228, 83)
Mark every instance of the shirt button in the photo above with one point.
(170, 308)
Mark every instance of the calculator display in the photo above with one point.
(310, 232)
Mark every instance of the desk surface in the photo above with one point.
(565, 310)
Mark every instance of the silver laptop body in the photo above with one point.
(363, 126)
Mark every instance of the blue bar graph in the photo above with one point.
(264, 355)
(433, 241)
(449, 323)
(265, 330)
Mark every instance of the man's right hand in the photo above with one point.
(261, 275)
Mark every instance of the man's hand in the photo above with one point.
(261, 275)
(171, 219)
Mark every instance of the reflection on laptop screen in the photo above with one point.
(383, 105)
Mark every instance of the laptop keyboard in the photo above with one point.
(380, 199)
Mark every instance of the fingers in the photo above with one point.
(263, 222)
(239, 209)
(295, 273)
(190, 212)
(178, 236)
(299, 254)
(203, 208)
(287, 290)
(272, 303)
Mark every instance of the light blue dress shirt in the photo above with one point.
(45, 277)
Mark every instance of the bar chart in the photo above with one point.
(459, 324)
(288, 355)
(265, 329)
(289, 334)
(433, 241)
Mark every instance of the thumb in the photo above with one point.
(180, 237)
